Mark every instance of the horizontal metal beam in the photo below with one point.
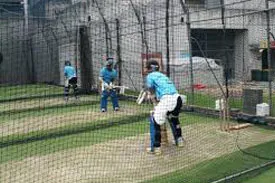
(10, 1)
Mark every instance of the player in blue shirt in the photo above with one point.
(107, 76)
(70, 80)
(168, 106)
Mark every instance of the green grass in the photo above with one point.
(37, 90)
(51, 145)
(24, 91)
(42, 142)
(34, 90)
(43, 90)
(61, 108)
(19, 146)
(68, 130)
(204, 172)
(268, 176)
(131, 92)
(204, 100)
(46, 111)
(218, 168)
(58, 109)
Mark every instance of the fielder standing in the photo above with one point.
(168, 107)
(107, 76)
(70, 80)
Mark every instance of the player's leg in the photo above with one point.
(73, 82)
(114, 100)
(173, 118)
(176, 130)
(66, 89)
(157, 118)
(104, 101)
(155, 136)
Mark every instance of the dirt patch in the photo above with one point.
(121, 161)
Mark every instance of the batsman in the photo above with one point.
(70, 80)
(167, 108)
(107, 76)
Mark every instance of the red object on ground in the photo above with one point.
(199, 86)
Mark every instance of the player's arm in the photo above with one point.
(151, 96)
(151, 90)
(103, 84)
(114, 78)
(65, 72)
(101, 80)
(66, 80)
(101, 77)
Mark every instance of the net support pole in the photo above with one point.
(167, 39)
(26, 16)
(268, 56)
(118, 52)
(188, 26)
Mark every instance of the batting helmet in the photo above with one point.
(68, 63)
(152, 65)
(109, 61)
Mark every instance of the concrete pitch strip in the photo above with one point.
(125, 160)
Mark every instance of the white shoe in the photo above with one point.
(103, 110)
(180, 142)
(155, 150)
(116, 109)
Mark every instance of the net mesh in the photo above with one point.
(219, 55)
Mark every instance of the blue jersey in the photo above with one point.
(161, 84)
(69, 72)
(107, 75)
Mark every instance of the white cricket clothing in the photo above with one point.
(66, 82)
(166, 104)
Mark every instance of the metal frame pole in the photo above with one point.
(268, 56)
(188, 24)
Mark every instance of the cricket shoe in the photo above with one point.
(155, 150)
(180, 142)
(103, 110)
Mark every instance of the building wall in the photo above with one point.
(131, 43)
(15, 67)
(55, 30)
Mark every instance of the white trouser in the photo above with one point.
(66, 82)
(166, 104)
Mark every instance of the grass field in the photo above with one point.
(44, 139)
(264, 177)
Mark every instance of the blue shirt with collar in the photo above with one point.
(161, 84)
(69, 72)
(108, 76)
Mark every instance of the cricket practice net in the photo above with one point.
(218, 53)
